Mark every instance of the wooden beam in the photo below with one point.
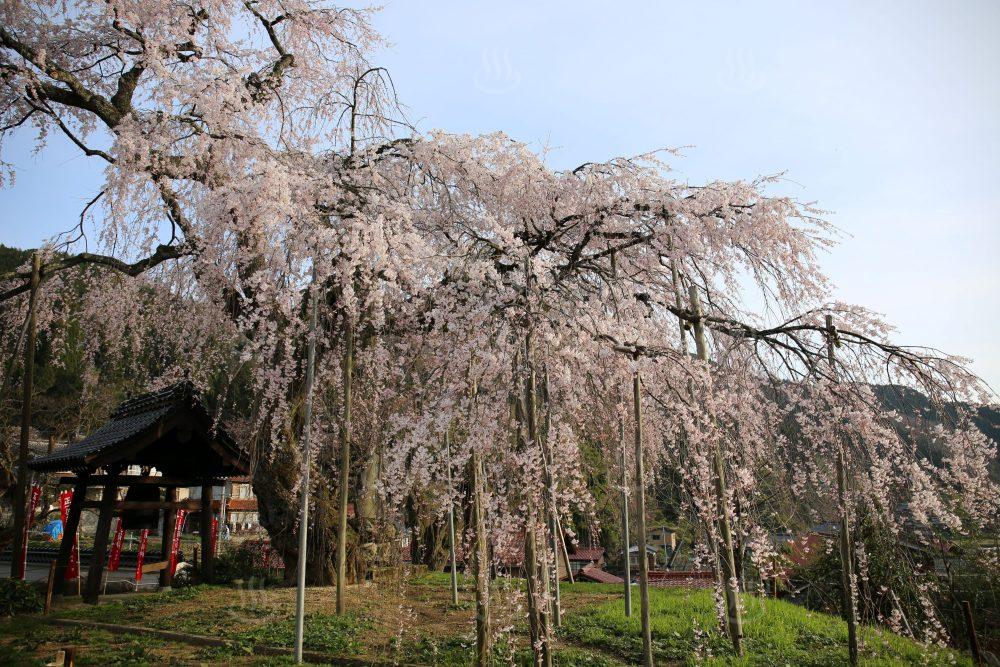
(70, 529)
(93, 589)
(189, 504)
(145, 480)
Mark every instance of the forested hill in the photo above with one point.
(11, 258)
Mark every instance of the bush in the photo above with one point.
(250, 560)
(18, 597)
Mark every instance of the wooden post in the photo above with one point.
(70, 530)
(640, 511)
(728, 572)
(167, 533)
(846, 548)
(625, 536)
(205, 533)
(108, 497)
(537, 571)
(345, 464)
(970, 626)
(21, 487)
(49, 587)
(303, 536)
(555, 528)
(451, 522)
(480, 553)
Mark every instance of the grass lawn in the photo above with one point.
(413, 621)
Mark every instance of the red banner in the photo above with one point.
(116, 547)
(175, 547)
(73, 567)
(36, 494)
(215, 534)
(143, 536)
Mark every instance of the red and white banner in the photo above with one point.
(143, 537)
(175, 547)
(116, 547)
(215, 534)
(73, 567)
(36, 494)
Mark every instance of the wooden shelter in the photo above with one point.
(167, 430)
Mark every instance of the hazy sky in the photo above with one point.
(886, 114)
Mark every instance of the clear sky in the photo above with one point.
(886, 114)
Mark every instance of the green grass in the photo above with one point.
(326, 633)
(685, 630)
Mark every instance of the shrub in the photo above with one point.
(18, 597)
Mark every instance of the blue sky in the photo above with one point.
(886, 114)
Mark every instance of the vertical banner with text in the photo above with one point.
(175, 547)
(143, 538)
(116, 547)
(73, 567)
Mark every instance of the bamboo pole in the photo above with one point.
(451, 524)
(640, 511)
(300, 589)
(21, 488)
(846, 550)
(625, 535)
(730, 580)
(345, 464)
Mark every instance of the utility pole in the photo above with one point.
(21, 489)
(846, 555)
(625, 537)
(300, 593)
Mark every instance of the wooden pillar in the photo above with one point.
(167, 533)
(109, 495)
(70, 529)
(207, 557)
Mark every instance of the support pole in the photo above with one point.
(726, 556)
(640, 511)
(21, 488)
(205, 533)
(451, 523)
(538, 572)
(300, 590)
(480, 554)
(345, 464)
(970, 626)
(846, 549)
(108, 497)
(625, 535)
